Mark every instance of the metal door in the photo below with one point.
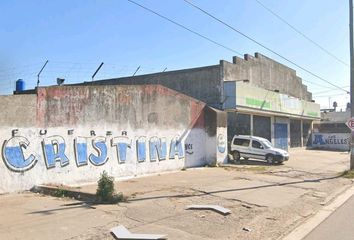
(281, 135)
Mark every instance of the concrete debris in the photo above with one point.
(246, 229)
(216, 208)
(121, 232)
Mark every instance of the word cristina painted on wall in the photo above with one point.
(19, 158)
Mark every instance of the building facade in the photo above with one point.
(261, 96)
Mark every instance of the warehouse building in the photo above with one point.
(261, 96)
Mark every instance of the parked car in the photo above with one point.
(257, 148)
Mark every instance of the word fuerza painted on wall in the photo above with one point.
(17, 155)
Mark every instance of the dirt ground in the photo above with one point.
(266, 202)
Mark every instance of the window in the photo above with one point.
(256, 144)
(242, 142)
(267, 144)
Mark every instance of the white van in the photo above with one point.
(258, 148)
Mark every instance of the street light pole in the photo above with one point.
(351, 79)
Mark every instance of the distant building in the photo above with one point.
(262, 97)
(332, 122)
(331, 132)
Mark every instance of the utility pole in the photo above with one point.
(351, 79)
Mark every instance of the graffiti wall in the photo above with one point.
(81, 131)
(331, 141)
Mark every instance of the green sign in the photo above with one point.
(254, 97)
(257, 103)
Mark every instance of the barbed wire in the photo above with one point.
(75, 72)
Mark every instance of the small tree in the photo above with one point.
(105, 188)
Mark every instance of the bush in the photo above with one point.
(105, 188)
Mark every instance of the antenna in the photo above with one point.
(60, 81)
(41, 72)
(136, 71)
(97, 71)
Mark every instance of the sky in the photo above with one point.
(75, 36)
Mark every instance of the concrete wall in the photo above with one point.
(24, 115)
(266, 73)
(201, 83)
(338, 117)
(331, 141)
(70, 134)
(333, 122)
(211, 129)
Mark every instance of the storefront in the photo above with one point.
(284, 120)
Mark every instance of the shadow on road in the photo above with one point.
(203, 193)
(65, 207)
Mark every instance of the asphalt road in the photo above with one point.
(339, 225)
(268, 200)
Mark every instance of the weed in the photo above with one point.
(348, 174)
(60, 192)
(105, 190)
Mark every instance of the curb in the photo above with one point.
(304, 229)
(53, 191)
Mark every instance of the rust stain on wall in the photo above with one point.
(134, 105)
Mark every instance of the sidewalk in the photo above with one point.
(331, 222)
(267, 202)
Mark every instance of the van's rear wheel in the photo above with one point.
(236, 156)
(270, 159)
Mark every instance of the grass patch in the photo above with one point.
(348, 174)
(60, 192)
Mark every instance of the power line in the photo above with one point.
(330, 90)
(186, 28)
(331, 95)
(180, 25)
(315, 84)
(301, 33)
(262, 45)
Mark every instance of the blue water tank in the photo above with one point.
(20, 85)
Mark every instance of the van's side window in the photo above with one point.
(256, 144)
(242, 142)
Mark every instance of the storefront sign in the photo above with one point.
(261, 99)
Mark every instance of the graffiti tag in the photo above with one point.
(94, 150)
